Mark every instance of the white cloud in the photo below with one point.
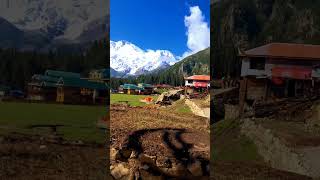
(198, 31)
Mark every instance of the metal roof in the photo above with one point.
(40, 77)
(81, 83)
(199, 77)
(285, 50)
(132, 86)
(143, 85)
(59, 74)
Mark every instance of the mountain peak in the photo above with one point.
(125, 57)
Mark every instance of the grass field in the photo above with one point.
(79, 122)
(230, 145)
(133, 100)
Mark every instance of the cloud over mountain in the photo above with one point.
(198, 31)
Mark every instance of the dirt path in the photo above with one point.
(197, 110)
(33, 157)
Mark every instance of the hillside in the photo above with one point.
(250, 23)
(194, 64)
(16, 67)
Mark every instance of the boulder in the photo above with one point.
(119, 171)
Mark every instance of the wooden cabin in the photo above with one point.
(42, 88)
(131, 89)
(81, 91)
(279, 70)
(66, 87)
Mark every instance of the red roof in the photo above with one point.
(285, 50)
(199, 77)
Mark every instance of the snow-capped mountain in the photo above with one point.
(59, 20)
(126, 58)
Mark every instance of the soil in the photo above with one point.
(180, 137)
(34, 157)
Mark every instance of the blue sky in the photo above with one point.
(152, 24)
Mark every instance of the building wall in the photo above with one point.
(256, 89)
(246, 71)
(271, 63)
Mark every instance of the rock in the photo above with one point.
(143, 158)
(113, 154)
(182, 96)
(178, 170)
(123, 154)
(164, 162)
(43, 146)
(134, 154)
(167, 97)
(119, 171)
(145, 167)
(195, 169)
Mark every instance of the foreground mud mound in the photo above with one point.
(23, 157)
(150, 143)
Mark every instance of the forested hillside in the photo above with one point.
(16, 68)
(246, 24)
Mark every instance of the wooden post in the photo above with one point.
(242, 94)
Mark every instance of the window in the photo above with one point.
(257, 63)
(189, 81)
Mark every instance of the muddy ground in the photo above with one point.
(251, 171)
(181, 138)
(34, 157)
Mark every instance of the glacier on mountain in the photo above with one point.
(127, 58)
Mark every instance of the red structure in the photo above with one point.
(198, 81)
(197, 85)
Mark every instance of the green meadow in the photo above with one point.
(133, 100)
(78, 122)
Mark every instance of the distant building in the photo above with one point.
(197, 85)
(131, 89)
(198, 81)
(147, 88)
(4, 90)
(163, 86)
(141, 88)
(280, 70)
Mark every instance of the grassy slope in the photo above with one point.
(79, 121)
(229, 145)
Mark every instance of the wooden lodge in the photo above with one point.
(66, 87)
(279, 70)
(99, 75)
